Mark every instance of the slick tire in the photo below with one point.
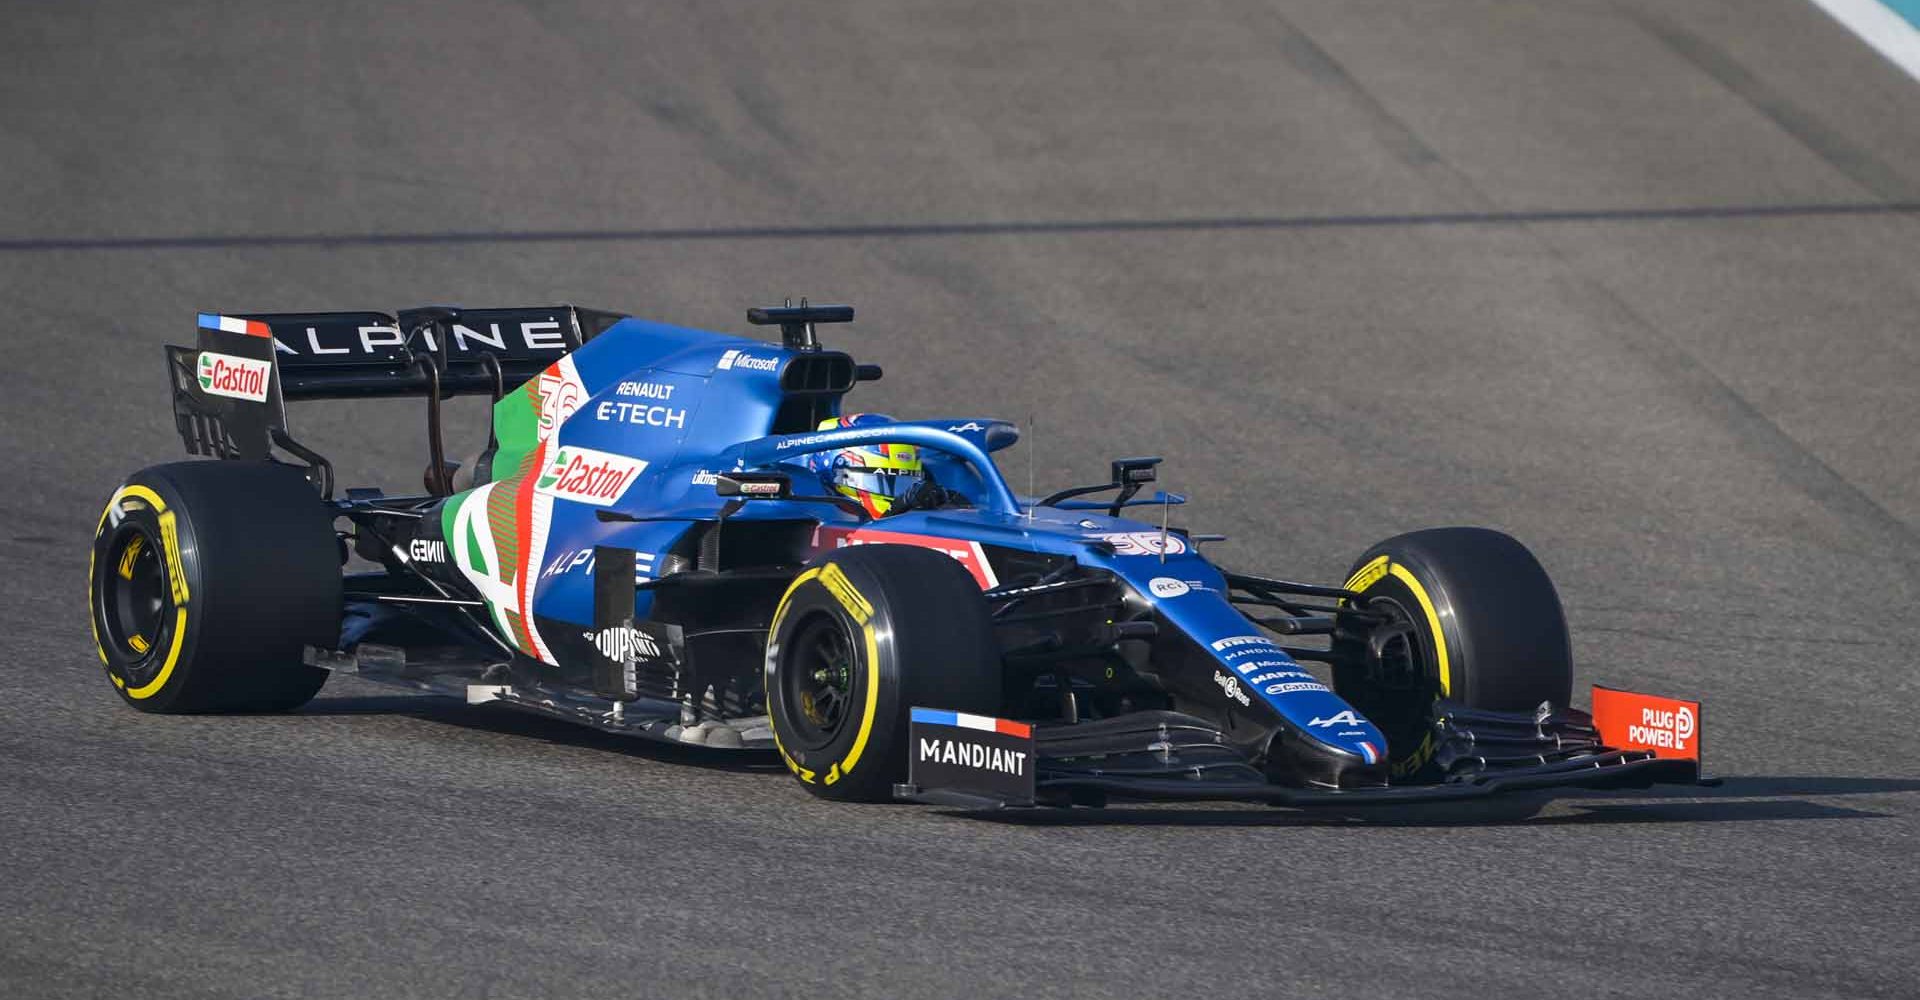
(207, 579)
(864, 634)
(1482, 626)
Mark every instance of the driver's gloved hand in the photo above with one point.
(929, 495)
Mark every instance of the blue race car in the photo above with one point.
(685, 536)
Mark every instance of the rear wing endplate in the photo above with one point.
(230, 390)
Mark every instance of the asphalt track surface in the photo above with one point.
(1633, 281)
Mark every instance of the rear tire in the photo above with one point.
(1485, 629)
(207, 580)
(863, 635)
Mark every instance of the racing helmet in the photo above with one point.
(877, 475)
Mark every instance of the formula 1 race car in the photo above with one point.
(679, 535)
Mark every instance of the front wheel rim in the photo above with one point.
(817, 680)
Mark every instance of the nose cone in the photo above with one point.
(1349, 752)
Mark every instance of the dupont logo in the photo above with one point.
(741, 359)
(624, 642)
(239, 378)
(589, 476)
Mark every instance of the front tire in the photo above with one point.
(863, 635)
(207, 580)
(1480, 625)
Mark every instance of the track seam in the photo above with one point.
(941, 229)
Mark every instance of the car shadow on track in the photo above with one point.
(509, 722)
(1744, 799)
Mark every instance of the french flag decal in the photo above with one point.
(1367, 750)
(984, 723)
(234, 324)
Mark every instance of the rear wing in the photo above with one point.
(230, 390)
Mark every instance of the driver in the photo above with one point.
(883, 478)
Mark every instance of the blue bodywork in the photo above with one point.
(694, 404)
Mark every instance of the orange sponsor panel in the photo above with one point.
(1628, 720)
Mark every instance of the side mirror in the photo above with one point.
(1135, 472)
(754, 485)
(1130, 474)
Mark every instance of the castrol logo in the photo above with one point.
(238, 378)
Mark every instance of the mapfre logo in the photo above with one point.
(589, 476)
(239, 378)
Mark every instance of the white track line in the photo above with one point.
(1880, 27)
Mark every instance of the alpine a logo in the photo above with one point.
(238, 378)
(741, 359)
(623, 642)
(588, 476)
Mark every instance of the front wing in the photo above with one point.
(972, 762)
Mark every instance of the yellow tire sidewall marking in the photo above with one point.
(1405, 576)
(836, 583)
(1365, 576)
(170, 547)
(1416, 760)
(132, 553)
(176, 579)
(846, 593)
(773, 629)
(840, 770)
(159, 681)
(93, 615)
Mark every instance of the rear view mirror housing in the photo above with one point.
(1135, 472)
